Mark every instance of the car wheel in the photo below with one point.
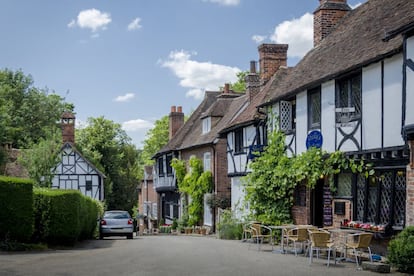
(130, 236)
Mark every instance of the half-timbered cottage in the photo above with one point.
(199, 137)
(352, 93)
(73, 170)
(247, 132)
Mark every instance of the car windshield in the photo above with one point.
(116, 215)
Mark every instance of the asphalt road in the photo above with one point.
(167, 255)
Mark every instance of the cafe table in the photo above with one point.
(284, 229)
(340, 237)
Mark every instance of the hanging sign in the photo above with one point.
(314, 139)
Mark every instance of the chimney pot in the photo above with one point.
(253, 67)
(226, 88)
(173, 108)
(179, 109)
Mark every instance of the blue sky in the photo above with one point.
(131, 60)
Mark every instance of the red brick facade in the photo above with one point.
(68, 127)
(271, 57)
(176, 120)
(326, 17)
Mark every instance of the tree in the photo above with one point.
(41, 158)
(27, 114)
(157, 137)
(108, 146)
(240, 84)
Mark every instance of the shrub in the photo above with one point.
(401, 250)
(229, 228)
(16, 208)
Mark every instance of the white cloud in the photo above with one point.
(258, 38)
(91, 19)
(225, 2)
(136, 125)
(125, 98)
(198, 76)
(135, 24)
(298, 33)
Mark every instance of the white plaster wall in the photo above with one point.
(250, 134)
(393, 101)
(328, 115)
(409, 119)
(301, 121)
(349, 145)
(238, 205)
(371, 107)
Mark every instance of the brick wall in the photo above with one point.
(271, 57)
(326, 17)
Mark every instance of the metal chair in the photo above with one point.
(261, 232)
(321, 240)
(358, 243)
(297, 235)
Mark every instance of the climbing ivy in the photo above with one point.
(271, 184)
(193, 184)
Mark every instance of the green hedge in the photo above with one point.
(16, 208)
(64, 216)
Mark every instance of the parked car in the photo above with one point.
(116, 223)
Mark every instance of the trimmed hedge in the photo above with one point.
(16, 208)
(64, 216)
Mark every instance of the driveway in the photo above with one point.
(167, 255)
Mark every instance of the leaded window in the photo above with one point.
(238, 141)
(169, 168)
(160, 166)
(348, 99)
(287, 116)
(314, 108)
(344, 185)
(380, 199)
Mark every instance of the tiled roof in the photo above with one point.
(227, 107)
(215, 104)
(357, 41)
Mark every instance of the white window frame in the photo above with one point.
(207, 161)
(206, 125)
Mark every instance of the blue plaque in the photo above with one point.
(314, 139)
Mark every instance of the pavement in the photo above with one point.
(169, 255)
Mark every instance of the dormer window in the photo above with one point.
(206, 125)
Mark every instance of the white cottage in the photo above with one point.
(73, 170)
(354, 90)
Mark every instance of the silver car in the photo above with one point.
(116, 223)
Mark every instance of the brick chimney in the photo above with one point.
(252, 81)
(326, 16)
(226, 88)
(176, 120)
(271, 57)
(67, 124)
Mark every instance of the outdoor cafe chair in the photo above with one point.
(358, 243)
(247, 232)
(297, 235)
(321, 240)
(261, 232)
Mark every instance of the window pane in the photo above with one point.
(314, 107)
(344, 185)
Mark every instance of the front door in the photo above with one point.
(317, 204)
